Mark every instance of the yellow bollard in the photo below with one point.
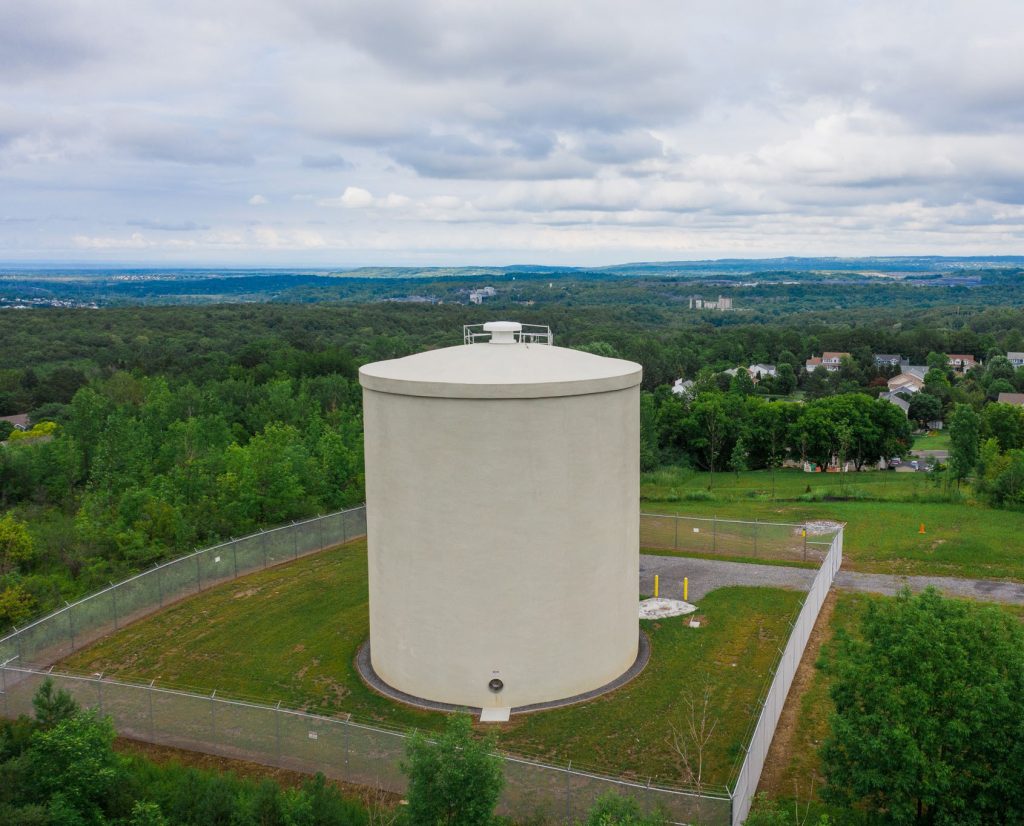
(655, 585)
(921, 529)
(686, 589)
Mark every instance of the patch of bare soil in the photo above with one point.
(780, 752)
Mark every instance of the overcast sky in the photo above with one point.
(336, 133)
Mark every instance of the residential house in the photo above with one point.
(962, 363)
(1016, 359)
(829, 360)
(682, 388)
(888, 360)
(1011, 398)
(760, 371)
(20, 421)
(910, 380)
(899, 401)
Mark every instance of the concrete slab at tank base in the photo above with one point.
(365, 670)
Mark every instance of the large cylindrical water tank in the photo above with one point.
(502, 488)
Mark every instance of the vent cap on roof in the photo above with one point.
(503, 332)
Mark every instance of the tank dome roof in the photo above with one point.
(509, 370)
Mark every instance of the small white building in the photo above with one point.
(1016, 359)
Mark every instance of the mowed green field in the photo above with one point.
(935, 440)
(883, 515)
(290, 634)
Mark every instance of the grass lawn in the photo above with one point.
(883, 515)
(290, 634)
(933, 440)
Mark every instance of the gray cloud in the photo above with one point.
(329, 161)
(168, 226)
(35, 39)
(562, 131)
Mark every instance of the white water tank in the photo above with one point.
(502, 487)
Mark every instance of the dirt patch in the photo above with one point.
(820, 527)
(248, 592)
(780, 752)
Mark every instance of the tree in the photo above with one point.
(711, 427)
(15, 543)
(964, 437)
(455, 780)
(768, 434)
(739, 457)
(785, 379)
(648, 432)
(74, 762)
(924, 408)
(1005, 423)
(928, 725)
(16, 604)
(742, 384)
(693, 733)
(937, 361)
(612, 809)
(52, 706)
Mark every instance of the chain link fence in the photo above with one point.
(781, 541)
(347, 749)
(61, 633)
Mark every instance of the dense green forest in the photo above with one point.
(167, 428)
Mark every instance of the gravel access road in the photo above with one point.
(706, 575)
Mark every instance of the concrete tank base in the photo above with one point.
(365, 669)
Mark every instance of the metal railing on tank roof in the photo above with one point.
(529, 334)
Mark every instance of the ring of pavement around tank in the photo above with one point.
(366, 673)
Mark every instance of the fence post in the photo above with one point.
(113, 594)
(568, 793)
(152, 724)
(756, 523)
(213, 718)
(234, 557)
(344, 527)
(3, 676)
(21, 658)
(805, 541)
(277, 731)
(295, 540)
(99, 693)
(346, 725)
(160, 583)
(714, 534)
(675, 544)
(71, 626)
(263, 536)
(199, 575)
(320, 526)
